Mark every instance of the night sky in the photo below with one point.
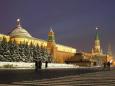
(73, 21)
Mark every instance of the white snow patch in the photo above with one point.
(24, 65)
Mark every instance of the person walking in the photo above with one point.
(46, 64)
(108, 65)
(36, 65)
(104, 66)
(40, 64)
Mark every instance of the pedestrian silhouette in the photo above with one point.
(108, 65)
(104, 65)
(39, 64)
(46, 64)
(36, 65)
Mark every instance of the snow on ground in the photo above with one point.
(23, 65)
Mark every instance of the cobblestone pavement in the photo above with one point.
(102, 78)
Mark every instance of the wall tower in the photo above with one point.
(51, 44)
(97, 46)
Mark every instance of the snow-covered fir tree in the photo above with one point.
(11, 52)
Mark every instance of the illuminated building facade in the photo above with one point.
(58, 52)
(94, 58)
(97, 57)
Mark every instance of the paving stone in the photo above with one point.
(102, 78)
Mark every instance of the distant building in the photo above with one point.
(58, 52)
(97, 57)
(94, 58)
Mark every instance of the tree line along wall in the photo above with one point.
(62, 52)
(10, 51)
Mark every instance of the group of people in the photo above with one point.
(38, 65)
(107, 65)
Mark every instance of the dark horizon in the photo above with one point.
(73, 21)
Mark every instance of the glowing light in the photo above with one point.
(97, 28)
(111, 61)
(18, 20)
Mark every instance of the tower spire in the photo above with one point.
(97, 33)
(51, 29)
(18, 23)
(97, 48)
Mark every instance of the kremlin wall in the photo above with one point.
(58, 52)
